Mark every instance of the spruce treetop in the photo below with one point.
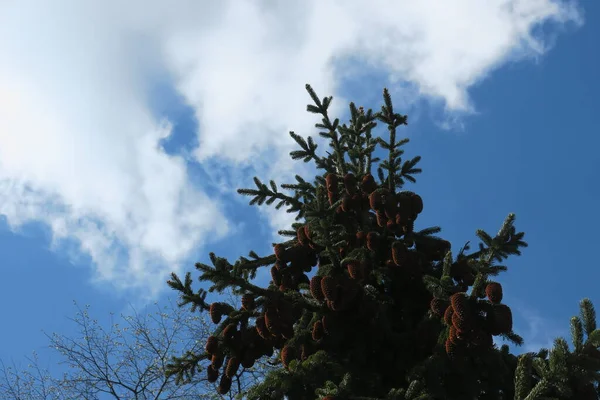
(362, 304)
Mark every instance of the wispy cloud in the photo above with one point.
(537, 330)
(79, 144)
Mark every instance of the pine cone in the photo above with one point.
(287, 355)
(373, 241)
(368, 184)
(448, 315)
(248, 302)
(460, 304)
(356, 269)
(261, 327)
(347, 204)
(272, 322)
(248, 359)
(462, 325)
(212, 374)
(275, 276)
(332, 197)
(315, 288)
(301, 235)
(494, 292)
(390, 208)
(280, 252)
(224, 385)
(232, 367)
(216, 312)
(317, 331)
(350, 183)
(438, 306)
(217, 361)
(417, 203)
(382, 219)
(331, 182)
(451, 349)
(307, 232)
(328, 288)
(399, 253)
(376, 201)
(212, 345)
(453, 335)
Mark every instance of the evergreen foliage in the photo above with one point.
(389, 312)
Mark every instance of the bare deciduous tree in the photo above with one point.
(123, 362)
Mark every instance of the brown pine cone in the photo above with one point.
(417, 203)
(331, 181)
(368, 184)
(347, 204)
(212, 374)
(355, 269)
(318, 331)
(287, 355)
(212, 345)
(217, 361)
(248, 302)
(462, 325)
(438, 306)
(493, 291)
(332, 197)
(373, 241)
(232, 367)
(399, 253)
(460, 304)
(276, 275)
(326, 320)
(224, 385)
(376, 201)
(350, 183)
(280, 252)
(328, 286)
(301, 235)
(448, 315)
(382, 219)
(315, 288)
(248, 359)
(216, 312)
(261, 327)
(272, 322)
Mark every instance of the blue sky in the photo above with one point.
(98, 204)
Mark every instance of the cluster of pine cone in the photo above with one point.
(397, 212)
(472, 322)
(244, 344)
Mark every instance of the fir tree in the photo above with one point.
(362, 305)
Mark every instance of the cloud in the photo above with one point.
(537, 331)
(79, 144)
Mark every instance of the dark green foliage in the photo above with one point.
(365, 329)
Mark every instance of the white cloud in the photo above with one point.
(79, 144)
